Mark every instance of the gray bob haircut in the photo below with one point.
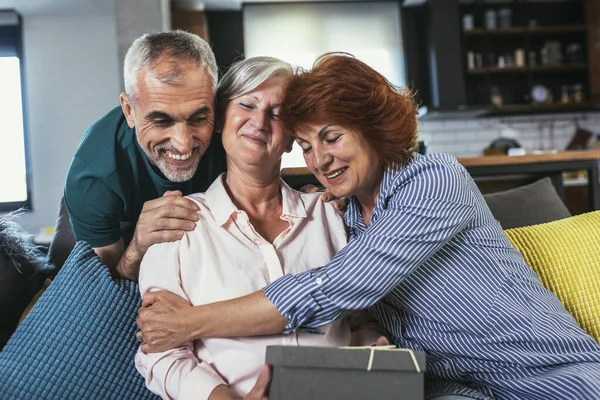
(177, 44)
(246, 75)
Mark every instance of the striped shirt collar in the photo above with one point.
(353, 217)
(223, 208)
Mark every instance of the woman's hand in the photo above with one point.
(339, 204)
(223, 393)
(164, 321)
(259, 391)
(382, 341)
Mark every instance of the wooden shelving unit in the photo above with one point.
(520, 30)
(537, 68)
(551, 108)
(533, 25)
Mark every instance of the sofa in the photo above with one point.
(78, 341)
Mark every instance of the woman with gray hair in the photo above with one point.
(252, 230)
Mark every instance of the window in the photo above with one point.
(14, 189)
(299, 33)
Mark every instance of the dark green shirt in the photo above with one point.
(110, 179)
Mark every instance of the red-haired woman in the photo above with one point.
(426, 256)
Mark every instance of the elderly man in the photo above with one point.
(125, 184)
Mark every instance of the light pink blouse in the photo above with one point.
(224, 258)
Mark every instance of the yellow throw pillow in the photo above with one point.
(566, 256)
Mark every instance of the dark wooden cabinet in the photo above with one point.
(432, 47)
(224, 30)
(592, 11)
(525, 56)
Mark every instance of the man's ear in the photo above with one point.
(127, 109)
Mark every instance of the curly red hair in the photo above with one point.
(345, 91)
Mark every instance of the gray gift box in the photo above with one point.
(315, 373)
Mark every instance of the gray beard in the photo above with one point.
(173, 174)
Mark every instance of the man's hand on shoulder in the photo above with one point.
(164, 220)
(326, 196)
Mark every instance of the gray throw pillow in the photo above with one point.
(532, 204)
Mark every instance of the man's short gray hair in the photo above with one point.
(246, 75)
(176, 45)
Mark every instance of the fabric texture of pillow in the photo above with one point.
(78, 341)
(565, 255)
(532, 204)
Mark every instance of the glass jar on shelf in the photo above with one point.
(564, 95)
(505, 18)
(577, 94)
(496, 97)
(490, 19)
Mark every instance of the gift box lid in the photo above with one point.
(381, 358)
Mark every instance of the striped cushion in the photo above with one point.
(78, 340)
(566, 256)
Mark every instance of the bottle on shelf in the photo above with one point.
(505, 18)
(490, 19)
(470, 60)
(564, 95)
(519, 57)
(578, 93)
(496, 97)
(532, 58)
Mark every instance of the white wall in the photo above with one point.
(468, 138)
(72, 78)
(136, 17)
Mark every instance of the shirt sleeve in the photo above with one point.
(429, 204)
(177, 373)
(94, 209)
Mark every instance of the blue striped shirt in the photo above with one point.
(436, 270)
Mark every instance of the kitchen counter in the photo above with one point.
(563, 156)
(536, 166)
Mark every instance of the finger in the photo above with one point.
(173, 193)
(309, 189)
(262, 383)
(170, 224)
(149, 299)
(176, 201)
(173, 211)
(327, 196)
(382, 341)
(164, 237)
(340, 205)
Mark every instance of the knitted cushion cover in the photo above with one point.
(566, 256)
(78, 342)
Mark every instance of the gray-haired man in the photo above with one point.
(125, 184)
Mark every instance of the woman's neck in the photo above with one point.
(367, 197)
(255, 190)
